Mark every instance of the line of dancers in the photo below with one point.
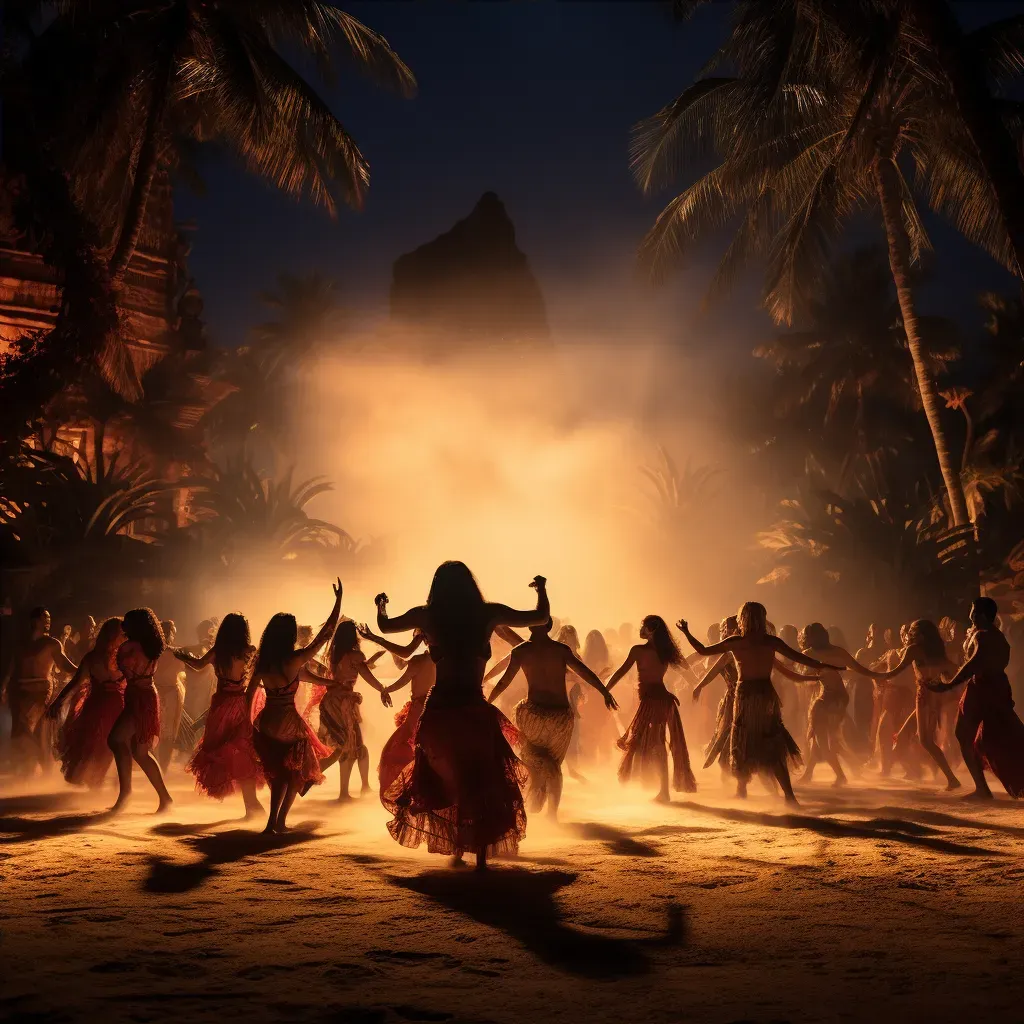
(450, 775)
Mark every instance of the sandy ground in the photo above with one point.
(872, 903)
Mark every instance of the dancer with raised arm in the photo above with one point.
(759, 741)
(828, 708)
(28, 691)
(340, 721)
(545, 718)
(137, 728)
(926, 653)
(724, 666)
(989, 732)
(82, 748)
(462, 791)
(643, 745)
(287, 747)
(419, 675)
(225, 761)
(171, 692)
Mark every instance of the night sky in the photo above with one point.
(533, 100)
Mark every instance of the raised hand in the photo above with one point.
(364, 631)
(539, 583)
(385, 697)
(381, 600)
(610, 702)
(682, 626)
(336, 587)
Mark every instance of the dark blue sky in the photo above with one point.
(531, 99)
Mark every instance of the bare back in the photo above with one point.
(36, 659)
(544, 663)
(423, 675)
(755, 656)
(650, 669)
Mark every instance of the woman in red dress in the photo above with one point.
(225, 761)
(656, 716)
(462, 791)
(989, 732)
(82, 748)
(287, 747)
(137, 728)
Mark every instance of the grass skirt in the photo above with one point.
(142, 703)
(545, 735)
(825, 717)
(288, 749)
(759, 741)
(644, 742)
(461, 793)
(226, 755)
(718, 747)
(399, 750)
(82, 748)
(987, 708)
(340, 723)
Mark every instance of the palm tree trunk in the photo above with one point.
(899, 263)
(973, 100)
(145, 171)
(969, 439)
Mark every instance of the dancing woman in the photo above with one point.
(287, 747)
(225, 760)
(658, 712)
(420, 675)
(462, 791)
(725, 666)
(926, 653)
(137, 728)
(828, 709)
(171, 692)
(340, 720)
(758, 741)
(989, 732)
(82, 748)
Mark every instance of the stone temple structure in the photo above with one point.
(471, 285)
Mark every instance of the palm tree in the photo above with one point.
(804, 141)
(118, 86)
(678, 497)
(848, 368)
(308, 316)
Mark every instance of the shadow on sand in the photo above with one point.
(616, 840)
(889, 829)
(17, 829)
(216, 848)
(522, 904)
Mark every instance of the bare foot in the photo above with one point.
(980, 794)
(840, 781)
(457, 861)
(365, 791)
(344, 798)
(662, 798)
(256, 811)
(791, 801)
(952, 784)
(164, 806)
(120, 803)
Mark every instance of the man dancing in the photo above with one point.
(545, 718)
(29, 689)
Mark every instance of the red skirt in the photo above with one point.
(987, 705)
(463, 790)
(226, 755)
(399, 749)
(82, 748)
(293, 756)
(644, 742)
(143, 704)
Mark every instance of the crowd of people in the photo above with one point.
(453, 772)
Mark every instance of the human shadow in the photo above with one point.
(177, 829)
(939, 818)
(217, 849)
(41, 803)
(28, 830)
(890, 829)
(616, 840)
(522, 904)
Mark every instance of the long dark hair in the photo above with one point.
(277, 643)
(567, 635)
(665, 647)
(233, 641)
(814, 636)
(142, 626)
(345, 639)
(105, 635)
(595, 652)
(456, 609)
(925, 634)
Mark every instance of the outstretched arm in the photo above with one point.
(503, 615)
(196, 664)
(61, 660)
(791, 654)
(711, 674)
(405, 679)
(590, 676)
(310, 675)
(514, 664)
(498, 667)
(414, 618)
(303, 654)
(784, 670)
(402, 650)
(704, 650)
(76, 680)
(367, 673)
(967, 669)
(623, 668)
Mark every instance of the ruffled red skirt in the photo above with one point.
(289, 751)
(987, 705)
(143, 704)
(226, 755)
(643, 745)
(399, 749)
(82, 748)
(463, 790)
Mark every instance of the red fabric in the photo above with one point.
(85, 756)
(226, 755)
(462, 791)
(294, 761)
(399, 749)
(987, 707)
(644, 742)
(143, 704)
